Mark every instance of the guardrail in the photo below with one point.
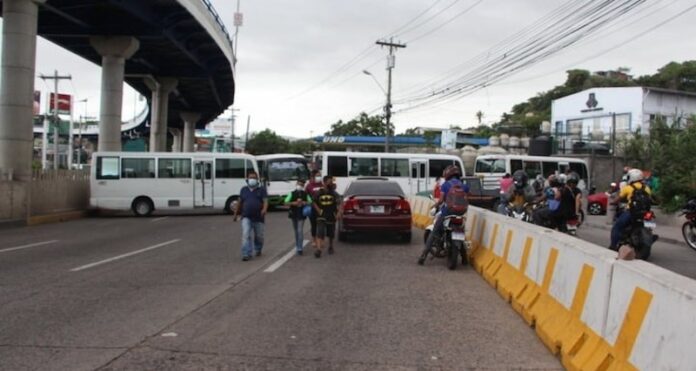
(217, 18)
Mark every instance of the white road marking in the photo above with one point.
(274, 267)
(158, 219)
(28, 246)
(91, 265)
(170, 335)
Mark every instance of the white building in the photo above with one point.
(591, 115)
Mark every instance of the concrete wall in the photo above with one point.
(13, 201)
(59, 192)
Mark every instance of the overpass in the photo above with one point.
(177, 52)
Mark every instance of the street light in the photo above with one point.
(386, 109)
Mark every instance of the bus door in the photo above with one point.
(419, 176)
(203, 183)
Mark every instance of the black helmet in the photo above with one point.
(520, 178)
(573, 178)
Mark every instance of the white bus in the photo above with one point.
(491, 168)
(415, 172)
(280, 172)
(146, 181)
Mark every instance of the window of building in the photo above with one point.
(439, 166)
(338, 166)
(229, 168)
(394, 167)
(137, 168)
(363, 167)
(174, 168)
(107, 168)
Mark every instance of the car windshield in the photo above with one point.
(374, 188)
(287, 169)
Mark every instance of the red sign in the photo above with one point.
(64, 103)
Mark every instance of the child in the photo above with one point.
(327, 208)
(297, 200)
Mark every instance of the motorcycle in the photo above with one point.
(639, 234)
(519, 211)
(451, 244)
(689, 227)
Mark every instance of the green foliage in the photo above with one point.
(484, 131)
(667, 152)
(267, 142)
(678, 76)
(363, 125)
(302, 147)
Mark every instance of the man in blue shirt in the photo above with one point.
(253, 205)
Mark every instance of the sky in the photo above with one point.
(290, 54)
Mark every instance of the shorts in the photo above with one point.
(325, 229)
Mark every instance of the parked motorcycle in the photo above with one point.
(689, 227)
(639, 234)
(451, 244)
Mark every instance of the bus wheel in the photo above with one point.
(231, 205)
(142, 206)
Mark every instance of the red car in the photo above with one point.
(375, 205)
(597, 203)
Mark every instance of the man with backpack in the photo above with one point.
(638, 201)
(453, 201)
(300, 207)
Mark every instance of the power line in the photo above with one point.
(440, 26)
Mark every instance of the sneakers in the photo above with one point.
(331, 250)
(258, 253)
(299, 252)
(317, 254)
(246, 258)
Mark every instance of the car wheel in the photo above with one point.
(231, 205)
(594, 208)
(142, 206)
(406, 237)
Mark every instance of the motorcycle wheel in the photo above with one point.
(689, 232)
(453, 255)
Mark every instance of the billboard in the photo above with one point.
(64, 103)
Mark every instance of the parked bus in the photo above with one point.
(146, 181)
(280, 172)
(415, 172)
(493, 167)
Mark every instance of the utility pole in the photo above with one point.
(246, 139)
(79, 134)
(238, 22)
(56, 120)
(390, 66)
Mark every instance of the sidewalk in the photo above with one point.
(667, 232)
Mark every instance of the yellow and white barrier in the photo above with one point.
(595, 312)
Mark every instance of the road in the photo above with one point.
(172, 293)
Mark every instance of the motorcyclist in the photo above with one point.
(634, 182)
(452, 175)
(552, 194)
(519, 194)
(538, 184)
(572, 183)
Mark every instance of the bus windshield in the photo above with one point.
(287, 169)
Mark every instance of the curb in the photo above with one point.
(662, 238)
(56, 218)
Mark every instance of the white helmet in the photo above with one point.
(562, 178)
(635, 175)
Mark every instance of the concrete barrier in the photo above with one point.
(593, 311)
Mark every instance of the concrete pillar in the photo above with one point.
(159, 110)
(114, 51)
(20, 19)
(176, 143)
(190, 120)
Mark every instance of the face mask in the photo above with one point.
(317, 179)
(253, 183)
(331, 187)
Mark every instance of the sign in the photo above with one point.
(592, 104)
(238, 19)
(220, 127)
(37, 102)
(64, 103)
(334, 140)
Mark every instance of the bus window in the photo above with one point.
(490, 165)
(363, 167)
(137, 168)
(107, 168)
(249, 168)
(437, 167)
(229, 168)
(549, 168)
(318, 163)
(515, 165)
(579, 168)
(174, 168)
(563, 168)
(532, 168)
(337, 166)
(392, 167)
(286, 169)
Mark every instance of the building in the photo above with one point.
(597, 118)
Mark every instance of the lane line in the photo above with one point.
(158, 219)
(28, 246)
(109, 260)
(273, 267)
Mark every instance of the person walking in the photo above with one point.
(253, 205)
(298, 200)
(327, 207)
(312, 188)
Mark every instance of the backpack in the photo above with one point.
(456, 200)
(640, 202)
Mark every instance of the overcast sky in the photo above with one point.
(286, 48)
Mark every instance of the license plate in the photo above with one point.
(651, 225)
(458, 236)
(377, 209)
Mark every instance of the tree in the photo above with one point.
(267, 142)
(363, 125)
(302, 147)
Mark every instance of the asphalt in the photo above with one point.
(193, 304)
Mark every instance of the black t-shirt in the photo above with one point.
(567, 207)
(327, 202)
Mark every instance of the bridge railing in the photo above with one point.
(217, 18)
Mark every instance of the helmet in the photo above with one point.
(562, 178)
(573, 178)
(520, 178)
(553, 180)
(452, 172)
(635, 175)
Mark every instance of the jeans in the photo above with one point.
(298, 228)
(622, 221)
(438, 228)
(247, 227)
